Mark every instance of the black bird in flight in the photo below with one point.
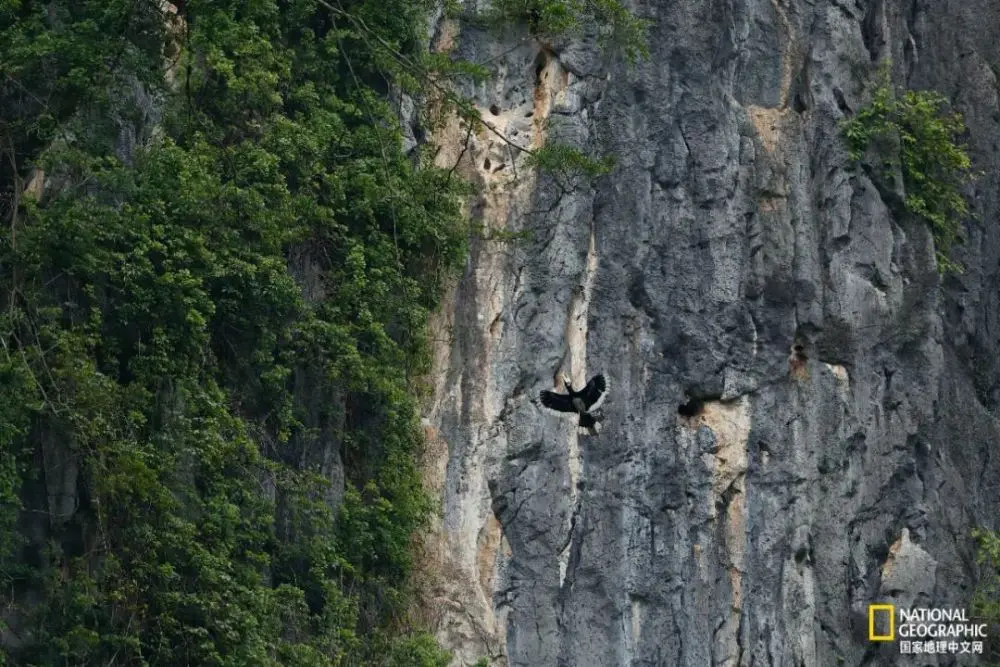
(584, 402)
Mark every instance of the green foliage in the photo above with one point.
(569, 161)
(201, 317)
(15, 411)
(912, 132)
(569, 167)
(418, 651)
(986, 600)
(616, 26)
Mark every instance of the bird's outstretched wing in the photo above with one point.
(557, 402)
(594, 393)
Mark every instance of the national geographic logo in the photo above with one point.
(926, 630)
(887, 610)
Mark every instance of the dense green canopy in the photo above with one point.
(225, 280)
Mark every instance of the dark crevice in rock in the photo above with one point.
(842, 104)
(871, 29)
(800, 91)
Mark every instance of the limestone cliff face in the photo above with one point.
(816, 479)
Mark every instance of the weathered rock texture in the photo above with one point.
(733, 228)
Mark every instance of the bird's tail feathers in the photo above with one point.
(589, 423)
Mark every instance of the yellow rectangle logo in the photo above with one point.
(872, 608)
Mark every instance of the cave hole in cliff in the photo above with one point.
(541, 61)
(692, 408)
(799, 104)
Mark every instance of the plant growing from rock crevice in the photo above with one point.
(912, 134)
(986, 600)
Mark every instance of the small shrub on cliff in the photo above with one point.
(986, 601)
(913, 132)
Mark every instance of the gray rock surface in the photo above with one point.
(733, 228)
